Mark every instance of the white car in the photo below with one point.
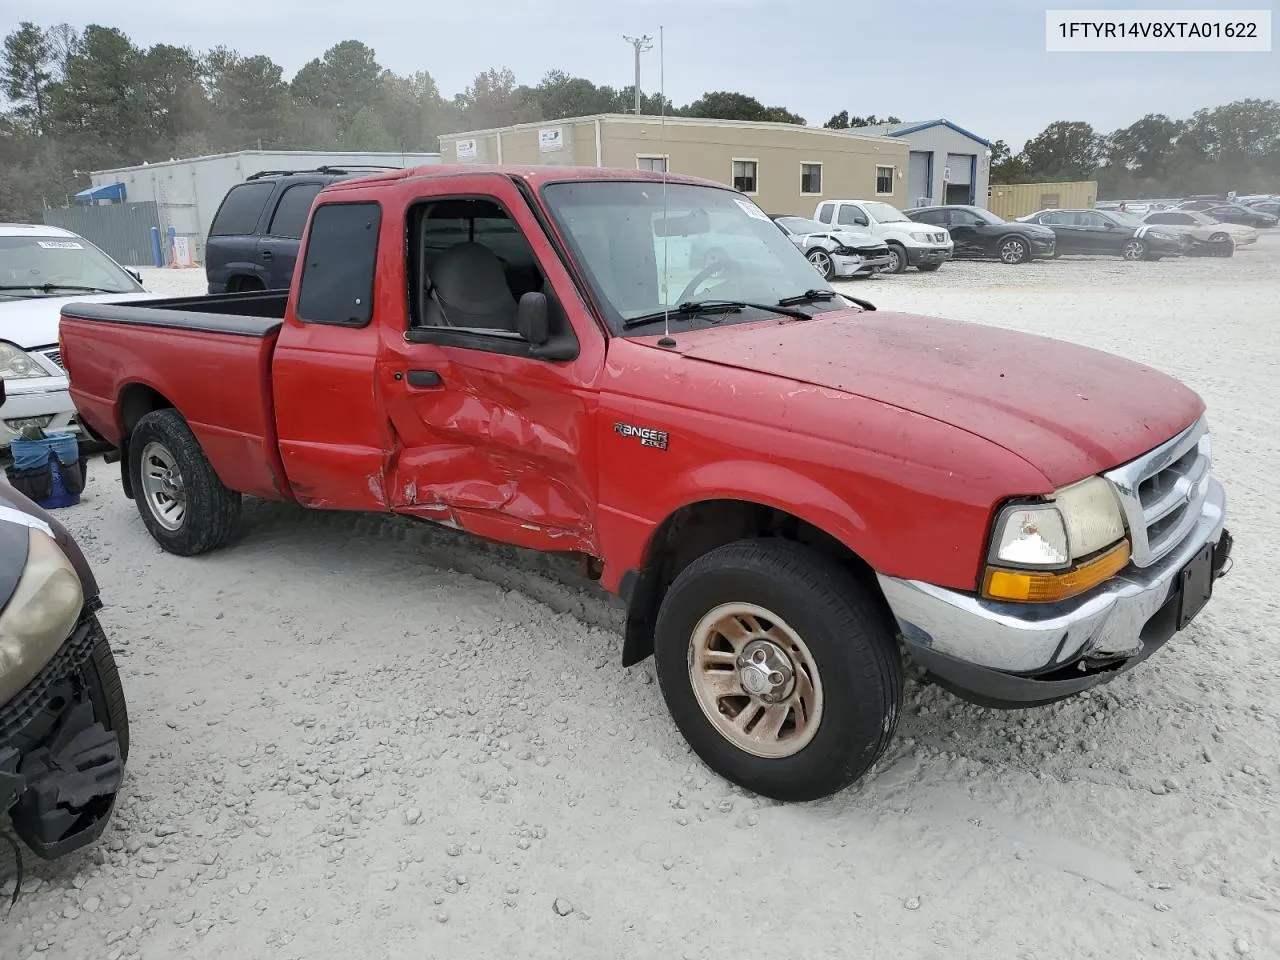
(42, 268)
(911, 244)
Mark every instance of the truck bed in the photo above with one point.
(209, 357)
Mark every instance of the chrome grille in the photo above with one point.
(1163, 491)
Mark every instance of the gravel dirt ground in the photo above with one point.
(357, 737)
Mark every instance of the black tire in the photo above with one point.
(107, 691)
(1013, 250)
(851, 643)
(900, 262)
(928, 267)
(822, 262)
(1134, 249)
(210, 511)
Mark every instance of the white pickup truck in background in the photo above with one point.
(911, 244)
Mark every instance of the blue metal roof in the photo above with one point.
(109, 191)
(917, 127)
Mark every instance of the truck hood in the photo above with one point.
(33, 322)
(1069, 411)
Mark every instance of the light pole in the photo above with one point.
(642, 44)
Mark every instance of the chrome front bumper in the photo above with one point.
(1107, 624)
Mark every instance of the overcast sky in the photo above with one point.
(979, 63)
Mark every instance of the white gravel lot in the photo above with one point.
(356, 737)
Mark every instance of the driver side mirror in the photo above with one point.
(134, 273)
(531, 319)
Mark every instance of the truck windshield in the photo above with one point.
(54, 266)
(885, 212)
(711, 244)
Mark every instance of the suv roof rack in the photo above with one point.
(347, 168)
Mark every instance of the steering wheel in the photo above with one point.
(717, 267)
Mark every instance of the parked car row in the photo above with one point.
(1159, 234)
(1260, 211)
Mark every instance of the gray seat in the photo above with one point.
(468, 288)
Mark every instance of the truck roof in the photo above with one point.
(532, 174)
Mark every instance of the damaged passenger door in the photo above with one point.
(491, 388)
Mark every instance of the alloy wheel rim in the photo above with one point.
(163, 486)
(820, 261)
(755, 680)
(1011, 251)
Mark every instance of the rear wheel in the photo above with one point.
(779, 667)
(822, 262)
(184, 505)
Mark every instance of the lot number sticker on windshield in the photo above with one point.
(751, 209)
(59, 245)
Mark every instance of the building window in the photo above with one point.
(653, 163)
(744, 176)
(884, 181)
(811, 179)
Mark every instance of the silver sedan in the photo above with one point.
(836, 253)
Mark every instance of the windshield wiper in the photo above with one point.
(809, 296)
(50, 287)
(820, 296)
(692, 308)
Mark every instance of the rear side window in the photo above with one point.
(339, 263)
(291, 212)
(240, 209)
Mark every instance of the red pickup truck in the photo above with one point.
(790, 489)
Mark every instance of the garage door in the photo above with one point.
(960, 166)
(918, 175)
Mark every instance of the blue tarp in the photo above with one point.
(110, 191)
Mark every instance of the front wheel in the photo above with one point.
(1014, 250)
(822, 262)
(897, 259)
(779, 667)
(185, 506)
(1134, 249)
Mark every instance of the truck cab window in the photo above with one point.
(473, 266)
(339, 264)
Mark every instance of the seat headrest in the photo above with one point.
(469, 278)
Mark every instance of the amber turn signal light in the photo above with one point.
(1029, 586)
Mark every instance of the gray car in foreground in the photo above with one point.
(836, 253)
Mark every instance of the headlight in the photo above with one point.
(40, 615)
(921, 236)
(1049, 551)
(16, 364)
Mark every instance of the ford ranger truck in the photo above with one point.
(791, 490)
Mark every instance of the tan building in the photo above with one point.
(786, 168)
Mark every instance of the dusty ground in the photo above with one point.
(355, 737)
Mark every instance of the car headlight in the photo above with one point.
(921, 236)
(17, 364)
(1057, 548)
(40, 615)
